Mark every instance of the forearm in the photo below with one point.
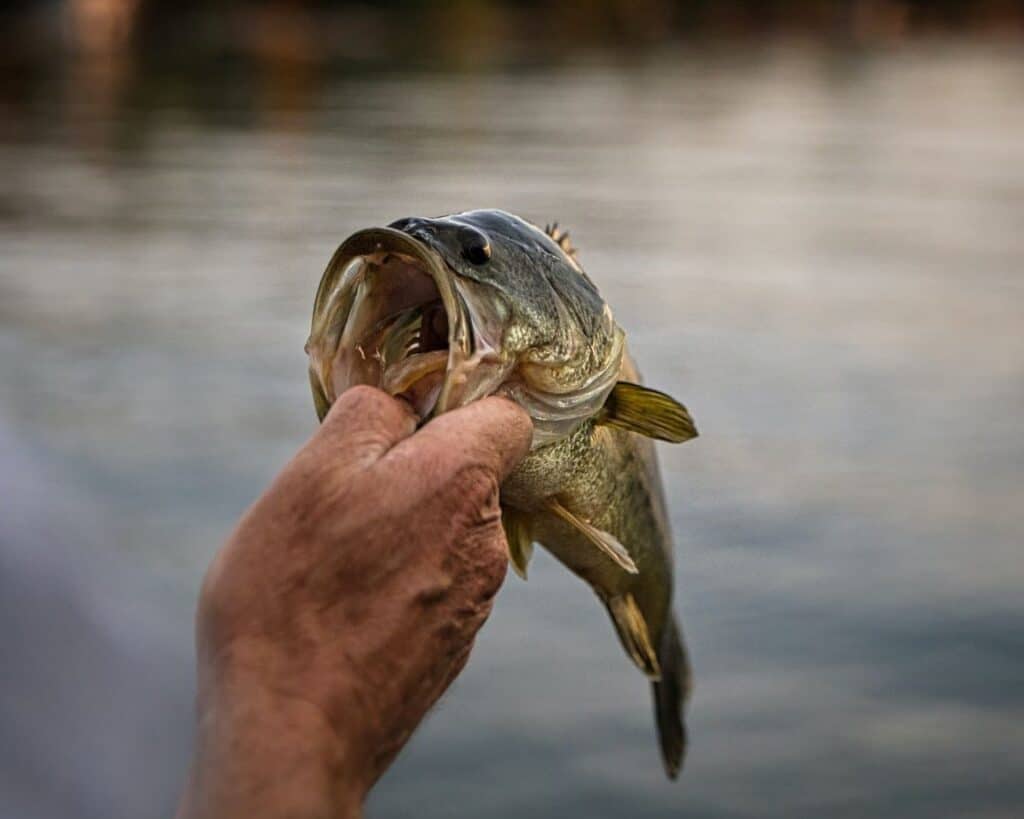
(260, 758)
(339, 610)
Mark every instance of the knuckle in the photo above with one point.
(464, 621)
(475, 487)
(480, 539)
(493, 567)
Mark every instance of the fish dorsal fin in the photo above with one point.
(520, 541)
(647, 412)
(604, 541)
(636, 638)
(561, 238)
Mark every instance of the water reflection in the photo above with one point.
(818, 252)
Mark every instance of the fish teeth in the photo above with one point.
(404, 339)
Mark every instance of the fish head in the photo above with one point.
(443, 311)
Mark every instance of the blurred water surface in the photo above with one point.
(820, 253)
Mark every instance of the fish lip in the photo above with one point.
(381, 242)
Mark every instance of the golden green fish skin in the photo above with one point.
(610, 478)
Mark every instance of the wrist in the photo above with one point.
(262, 754)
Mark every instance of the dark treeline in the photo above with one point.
(464, 31)
(632, 20)
(675, 16)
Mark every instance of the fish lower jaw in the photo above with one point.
(418, 379)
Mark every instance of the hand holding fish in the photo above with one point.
(346, 602)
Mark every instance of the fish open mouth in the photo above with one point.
(390, 313)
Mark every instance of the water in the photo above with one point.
(819, 253)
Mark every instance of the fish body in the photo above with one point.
(445, 311)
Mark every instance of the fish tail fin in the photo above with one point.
(670, 695)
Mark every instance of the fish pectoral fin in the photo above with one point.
(636, 639)
(520, 541)
(647, 412)
(604, 541)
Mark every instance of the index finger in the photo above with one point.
(493, 433)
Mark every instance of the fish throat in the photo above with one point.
(397, 333)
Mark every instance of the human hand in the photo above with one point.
(345, 603)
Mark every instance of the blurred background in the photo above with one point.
(808, 216)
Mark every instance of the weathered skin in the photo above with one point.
(525, 322)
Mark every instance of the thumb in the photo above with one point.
(493, 433)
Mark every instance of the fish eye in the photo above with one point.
(476, 248)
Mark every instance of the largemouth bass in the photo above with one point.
(445, 311)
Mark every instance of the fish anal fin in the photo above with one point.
(636, 638)
(647, 412)
(520, 541)
(604, 541)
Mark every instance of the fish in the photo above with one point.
(444, 311)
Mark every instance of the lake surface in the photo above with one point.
(820, 253)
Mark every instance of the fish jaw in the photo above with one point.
(377, 290)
